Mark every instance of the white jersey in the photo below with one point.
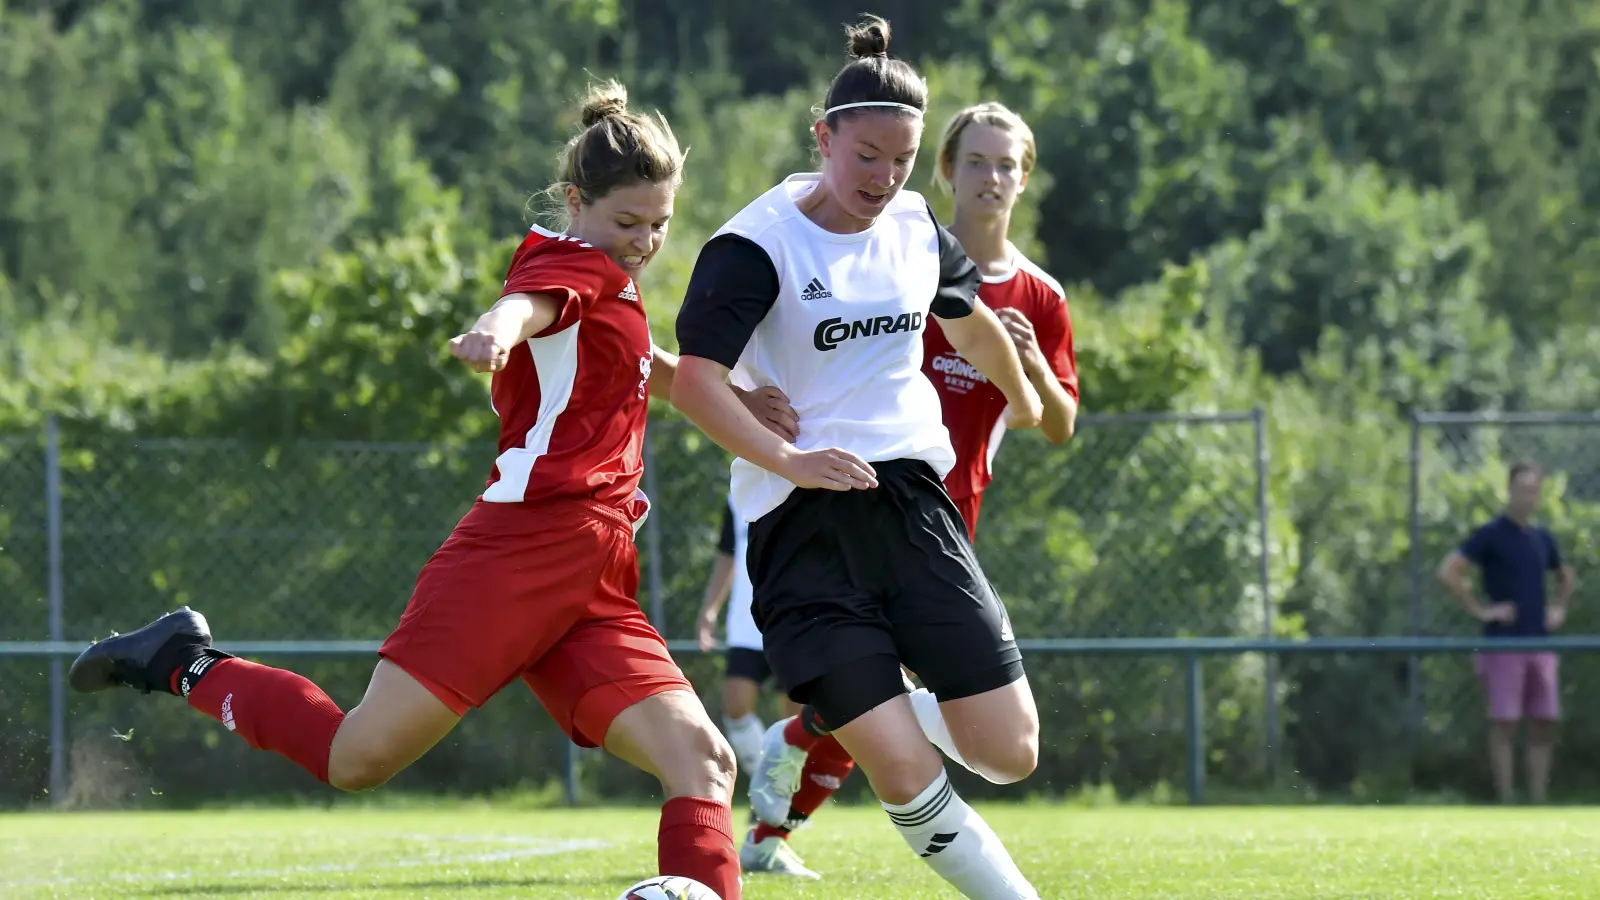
(742, 630)
(834, 321)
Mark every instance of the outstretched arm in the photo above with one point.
(513, 319)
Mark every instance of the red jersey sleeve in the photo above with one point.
(1053, 327)
(573, 278)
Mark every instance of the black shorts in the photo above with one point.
(841, 576)
(743, 662)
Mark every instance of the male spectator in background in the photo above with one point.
(1514, 557)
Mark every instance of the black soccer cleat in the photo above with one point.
(143, 659)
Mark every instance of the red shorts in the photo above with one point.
(969, 506)
(545, 592)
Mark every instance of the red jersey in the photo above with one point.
(573, 399)
(972, 406)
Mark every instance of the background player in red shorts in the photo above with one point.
(538, 580)
(985, 156)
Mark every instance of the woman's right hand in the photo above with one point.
(828, 469)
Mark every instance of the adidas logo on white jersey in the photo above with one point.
(629, 292)
(814, 290)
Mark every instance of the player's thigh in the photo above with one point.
(816, 608)
(953, 631)
(951, 627)
(1542, 690)
(501, 591)
(610, 660)
(877, 726)
(670, 736)
(997, 731)
(1504, 678)
(398, 720)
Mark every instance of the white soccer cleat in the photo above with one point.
(776, 776)
(772, 856)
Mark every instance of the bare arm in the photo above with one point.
(717, 591)
(1060, 418)
(701, 391)
(982, 340)
(513, 319)
(663, 366)
(1569, 583)
(1452, 573)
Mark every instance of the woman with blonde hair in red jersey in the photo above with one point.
(538, 580)
(985, 156)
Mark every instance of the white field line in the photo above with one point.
(519, 848)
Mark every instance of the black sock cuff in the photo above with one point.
(812, 723)
(192, 665)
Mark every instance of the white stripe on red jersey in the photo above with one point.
(573, 399)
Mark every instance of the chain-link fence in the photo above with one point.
(1141, 526)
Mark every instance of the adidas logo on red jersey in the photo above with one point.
(629, 292)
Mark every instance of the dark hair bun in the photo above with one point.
(606, 100)
(868, 39)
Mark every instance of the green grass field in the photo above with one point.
(1126, 853)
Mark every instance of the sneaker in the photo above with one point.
(773, 856)
(776, 776)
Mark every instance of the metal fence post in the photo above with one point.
(1196, 728)
(569, 777)
(1263, 512)
(58, 684)
(1414, 662)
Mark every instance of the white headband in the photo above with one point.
(891, 103)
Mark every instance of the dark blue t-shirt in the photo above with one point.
(1515, 562)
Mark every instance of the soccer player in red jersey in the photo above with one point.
(984, 159)
(538, 580)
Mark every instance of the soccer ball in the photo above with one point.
(669, 887)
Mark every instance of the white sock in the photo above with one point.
(934, 726)
(951, 837)
(744, 736)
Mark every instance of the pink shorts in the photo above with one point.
(1521, 685)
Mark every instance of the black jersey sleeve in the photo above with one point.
(733, 285)
(958, 277)
(725, 543)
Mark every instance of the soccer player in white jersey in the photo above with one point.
(858, 558)
(985, 157)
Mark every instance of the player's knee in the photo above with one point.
(1011, 760)
(359, 770)
(702, 765)
(1541, 731)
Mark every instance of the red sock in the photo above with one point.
(696, 841)
(827, 766)
(796, 735)
(272, 709)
